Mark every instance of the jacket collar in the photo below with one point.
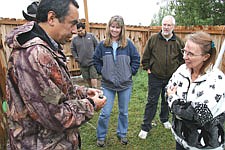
(173, 38)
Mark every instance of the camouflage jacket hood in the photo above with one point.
(25, 36)
(45, 108)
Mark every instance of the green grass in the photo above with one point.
(158, 139)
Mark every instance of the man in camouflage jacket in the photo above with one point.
(45, 108)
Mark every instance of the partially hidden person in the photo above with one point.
(162, 56)
(82, 48)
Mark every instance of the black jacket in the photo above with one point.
(163, 57)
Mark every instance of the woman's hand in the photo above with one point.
(171, 90)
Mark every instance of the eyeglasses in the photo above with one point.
(189, 54)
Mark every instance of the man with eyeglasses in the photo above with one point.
(162, 56)
(45, 108)
(82, 47)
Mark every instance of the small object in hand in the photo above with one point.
(101, 96)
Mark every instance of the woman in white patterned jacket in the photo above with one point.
(196, 96)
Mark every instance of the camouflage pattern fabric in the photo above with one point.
(45, 108)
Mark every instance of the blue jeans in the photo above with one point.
(156, 87)
(104, 117)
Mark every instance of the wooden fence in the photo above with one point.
(138, 34)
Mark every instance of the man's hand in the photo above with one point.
(99, 102)
(92, 92)
(97, 96)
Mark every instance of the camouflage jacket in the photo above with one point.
(45, 108)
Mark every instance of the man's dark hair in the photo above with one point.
(80, 25)
(60, 7)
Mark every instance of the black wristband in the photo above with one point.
(91, 101)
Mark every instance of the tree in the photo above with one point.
(198, 12)
(157, 18)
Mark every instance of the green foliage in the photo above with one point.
(193, 12)
(158, 139)
(198, 12)
(157, 18)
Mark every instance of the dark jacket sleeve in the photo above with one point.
(97, 58)
(186, 111)
(183, 110)
(181, 45)
(135, 59)
(74, 50)
(146, 55)
(95, 41)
